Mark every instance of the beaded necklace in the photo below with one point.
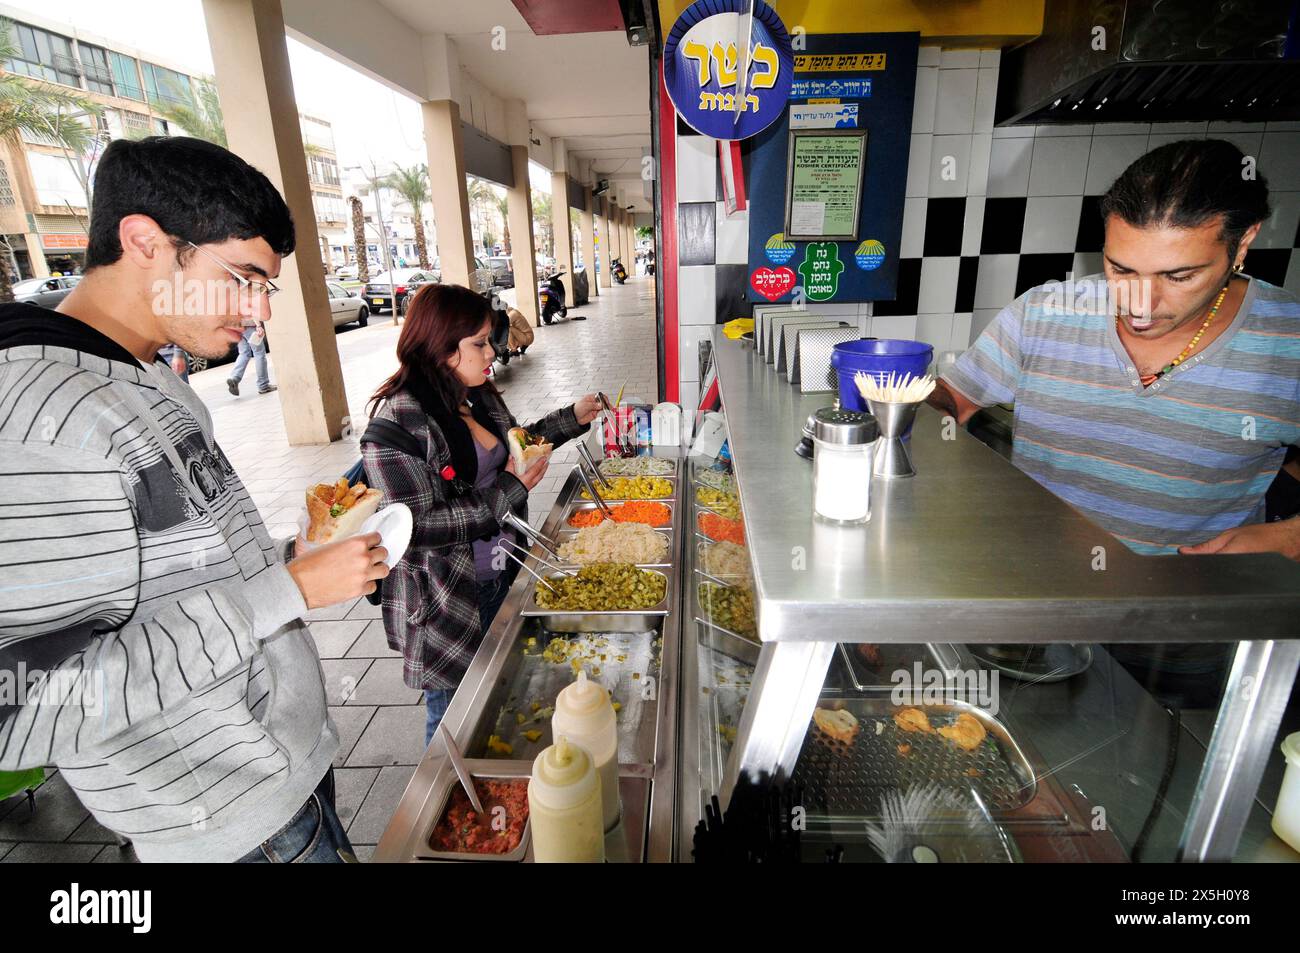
(1149, 379)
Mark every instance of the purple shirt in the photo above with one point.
(490, 464)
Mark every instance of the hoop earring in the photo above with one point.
(1238, 268)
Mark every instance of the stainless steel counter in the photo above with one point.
(969, 543)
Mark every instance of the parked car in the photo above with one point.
(346, 306)
(403, 282)
(46, 292)
(481, 280)
(503, 272)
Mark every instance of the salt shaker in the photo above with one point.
(843, 442)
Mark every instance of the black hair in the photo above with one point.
(1188, 183)
(196, 191)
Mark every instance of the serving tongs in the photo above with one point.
(536, 536)
(462, 772)
(587, 458)
(624, 447)
(525, 568)
(601, 505)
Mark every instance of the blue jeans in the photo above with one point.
(491, 593)
(313, 836)
(168, 353)
(249, 351)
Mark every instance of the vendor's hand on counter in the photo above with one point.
(533, 475)
(337, 572)
(1280, 537)
(587, 408)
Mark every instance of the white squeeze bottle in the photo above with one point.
(585, 715)
(564, 807)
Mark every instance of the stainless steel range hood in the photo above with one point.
(1143, 61)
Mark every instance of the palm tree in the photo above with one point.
(482, 196)
(503, 206)
(413, 185)
(359, 239)
(200, 115)
(43, 112)
(542, 216)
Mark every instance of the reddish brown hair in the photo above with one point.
(438, 319)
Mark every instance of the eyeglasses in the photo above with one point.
(256, 286)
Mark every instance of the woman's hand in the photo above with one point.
(587, 408)
(533, 475)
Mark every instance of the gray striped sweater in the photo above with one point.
(145, 613)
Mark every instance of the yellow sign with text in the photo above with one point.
(838, 62)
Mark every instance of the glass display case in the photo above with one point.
(978, 673)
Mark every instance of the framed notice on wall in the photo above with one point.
(823, 192)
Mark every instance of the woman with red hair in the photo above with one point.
(440, 599)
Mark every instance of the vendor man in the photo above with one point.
(1159, 399)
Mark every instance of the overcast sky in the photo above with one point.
(371, 121)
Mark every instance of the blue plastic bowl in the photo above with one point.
(880, 357)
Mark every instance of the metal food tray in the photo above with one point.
(621, 620)
(577, 503)
(726, 664)
(664, 531)
(844, 782)
(699, 482)
(579, 498)
(425, 852)
(893, 657)
(540, 681)
(676, 473)
(701, 544)
(702, 614)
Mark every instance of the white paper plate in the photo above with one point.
(393, 524)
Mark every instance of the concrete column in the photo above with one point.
(629, 243)
(603, 225)
(522, 253)
(36, 255)
(616, 232)
(251, 63)
(589, 242)
(442, 141)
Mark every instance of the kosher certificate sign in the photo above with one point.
(824, 175)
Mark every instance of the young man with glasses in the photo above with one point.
(173, 683)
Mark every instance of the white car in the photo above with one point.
(346, 306)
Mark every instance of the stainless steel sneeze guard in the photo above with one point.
(969, 543)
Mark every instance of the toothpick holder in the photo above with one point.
(892, 461)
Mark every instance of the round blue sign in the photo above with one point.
(869, 255)
(703, 68)
(778, 250)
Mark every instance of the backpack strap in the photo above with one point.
(389, 433)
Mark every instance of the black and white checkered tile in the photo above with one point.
(988, 212)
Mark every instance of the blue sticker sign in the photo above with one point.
(778, 250)
(869, 255)
(819, 88)
(702, 68)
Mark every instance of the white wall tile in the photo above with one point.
(955, 105)
(1122, 129)
(696, 300)
(1292, 283)
(1279, 160)
(1013, 132)
(1086, 263)
(697, 158)
(980, 320)
(1279, 230)
(1066, 129)
(928, 56)
(935, 330)
(918, 166)
(981, 147)
(938, 285)
(923, 100)
(913, 239)
(986, 94)
(898, 326)
(995, 285)
(1009, 161)
(689, 398)
(991, 58)
(1051, 223)
(960, 339)
(1218, 126)
(973, 225)
(1248, 142)
(959, 59)
(1281, 125)
(688, 349)
(1184, 130)
(731, 237)
(1158, 139)
(1109, 156)
(1060, 166)
(949, 155)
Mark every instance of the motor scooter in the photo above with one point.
(551, 296)
(617, 271)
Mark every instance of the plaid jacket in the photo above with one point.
(430, 599)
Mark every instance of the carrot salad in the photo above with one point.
(720, 528)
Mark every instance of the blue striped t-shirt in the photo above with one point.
(1169, 465)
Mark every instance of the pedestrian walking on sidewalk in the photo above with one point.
(252, 347)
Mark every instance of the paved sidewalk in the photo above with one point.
(380, 720)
